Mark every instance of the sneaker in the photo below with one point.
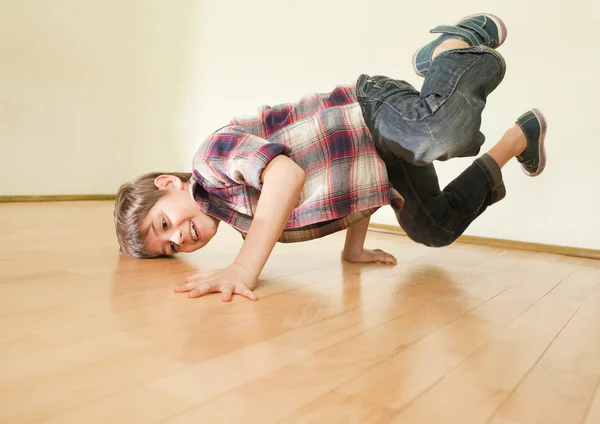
(533, 158)
(477, 30)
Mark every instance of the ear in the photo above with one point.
(163, 182)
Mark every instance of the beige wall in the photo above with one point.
(92, 93)
(270, 52)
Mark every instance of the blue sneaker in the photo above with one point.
(533, 158)
(477, 30)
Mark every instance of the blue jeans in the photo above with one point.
(412, 129)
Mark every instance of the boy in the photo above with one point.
(302, 171)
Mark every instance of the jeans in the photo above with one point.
(411, 130)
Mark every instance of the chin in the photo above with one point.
(194, 249)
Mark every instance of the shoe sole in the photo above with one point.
(503, 32)
(541, 147)
(414, 63)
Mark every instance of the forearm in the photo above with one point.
(355, 238)
(282, 184)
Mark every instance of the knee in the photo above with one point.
(463, 137)
(439, 238)
(447, 147)
(434, 236)
(452, 138)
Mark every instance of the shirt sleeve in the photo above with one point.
(233, 158)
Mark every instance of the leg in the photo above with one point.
(436, 218)
(442, 121)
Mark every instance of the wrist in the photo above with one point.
(353, 249)
(350, 253)
(248, 274)
(355, 238)
(253, 256)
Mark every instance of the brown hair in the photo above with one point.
(133, 203)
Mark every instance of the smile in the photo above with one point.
(193, 231)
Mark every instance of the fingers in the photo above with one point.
(185, 287)
(191, 282)
(203, 289)
(227, 291)
(196, 277)
(386, 258)
(196, 290)
(245, 291)
(240, 289)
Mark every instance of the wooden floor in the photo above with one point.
(465, 334)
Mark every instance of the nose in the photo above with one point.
(177, 236)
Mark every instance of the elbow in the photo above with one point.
(299, 176)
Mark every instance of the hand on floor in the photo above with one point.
(231, 280)
(371, 256)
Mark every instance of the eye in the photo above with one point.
(164, 224)
(173, 247)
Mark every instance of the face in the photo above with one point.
(175, 223)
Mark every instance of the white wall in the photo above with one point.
(93, 93)
(267, 51)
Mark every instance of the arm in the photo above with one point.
(355, 239)
(354, 250)
(282, 181)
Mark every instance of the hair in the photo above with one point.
(132, 205)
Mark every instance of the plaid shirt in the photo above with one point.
(326, 135)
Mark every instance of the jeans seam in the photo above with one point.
(466, 98)
(439, 104)
(455, 85)
(403, 117)
(430, 133)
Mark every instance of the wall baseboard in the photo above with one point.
(57, 198)
(506, 244)
(485, 241)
